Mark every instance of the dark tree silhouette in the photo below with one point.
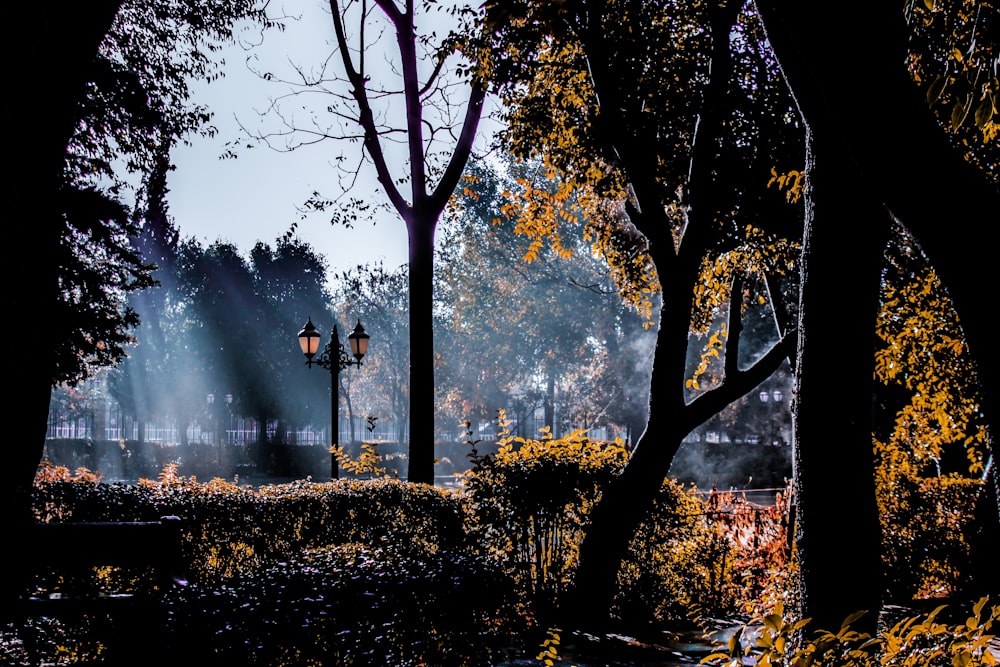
(404, 115)
(673, 131)
(78, 101)
(890, 156)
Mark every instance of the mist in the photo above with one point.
(216, 385)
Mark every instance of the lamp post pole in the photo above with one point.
(334, 358)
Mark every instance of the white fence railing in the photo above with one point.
(238, 431)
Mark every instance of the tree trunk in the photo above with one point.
(53, 46)
(837, 532)
(615, 518)
(851, 82)
(626, 502)
(421, 452)
(628, 499)
(985, 541)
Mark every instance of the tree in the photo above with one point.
(895, 159)
(668, 151)
(821, 65)
(138, 382)
(56, 66)
(549, 332)
(173, 364)
(827, 595)
(70, 71)
(225, 338)
(240, 324)
(407, 97)
(290, 280)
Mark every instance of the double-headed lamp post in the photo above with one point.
(334, 358)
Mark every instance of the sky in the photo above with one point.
(257, 196)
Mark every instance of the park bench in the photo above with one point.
(60, 582)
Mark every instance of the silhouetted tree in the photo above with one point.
(407, 99)
(291, 281)
(100, 82)
(378, 299)
(894, 159)
(652, 107)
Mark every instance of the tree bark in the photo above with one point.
(851, 82)
(421, 451)
(837, 532)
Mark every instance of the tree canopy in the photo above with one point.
(614, 99)
(671, 155)
(666, 130)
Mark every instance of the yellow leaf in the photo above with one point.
(984, 113)
(959, 112)
(935, 89)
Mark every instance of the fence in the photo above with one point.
(113, 425)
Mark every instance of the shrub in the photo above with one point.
(230, 530)
(927, 522)
(353, 604)
(528, 505)
(302, 572)
(914, 641)
(679, 564)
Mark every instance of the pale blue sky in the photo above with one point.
(256, 197)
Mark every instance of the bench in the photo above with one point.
(60, 582)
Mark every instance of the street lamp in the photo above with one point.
(334, 358)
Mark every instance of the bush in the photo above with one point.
(230, 530)
(927, 526)
(345, 572)
(528, 506)
(679, 566)
(353, 604)
(914, 641)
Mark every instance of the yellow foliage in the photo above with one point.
(49, 472)
(543, 202)
(793, 182)
(923, 350)
(915, 640)
(711, 351)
